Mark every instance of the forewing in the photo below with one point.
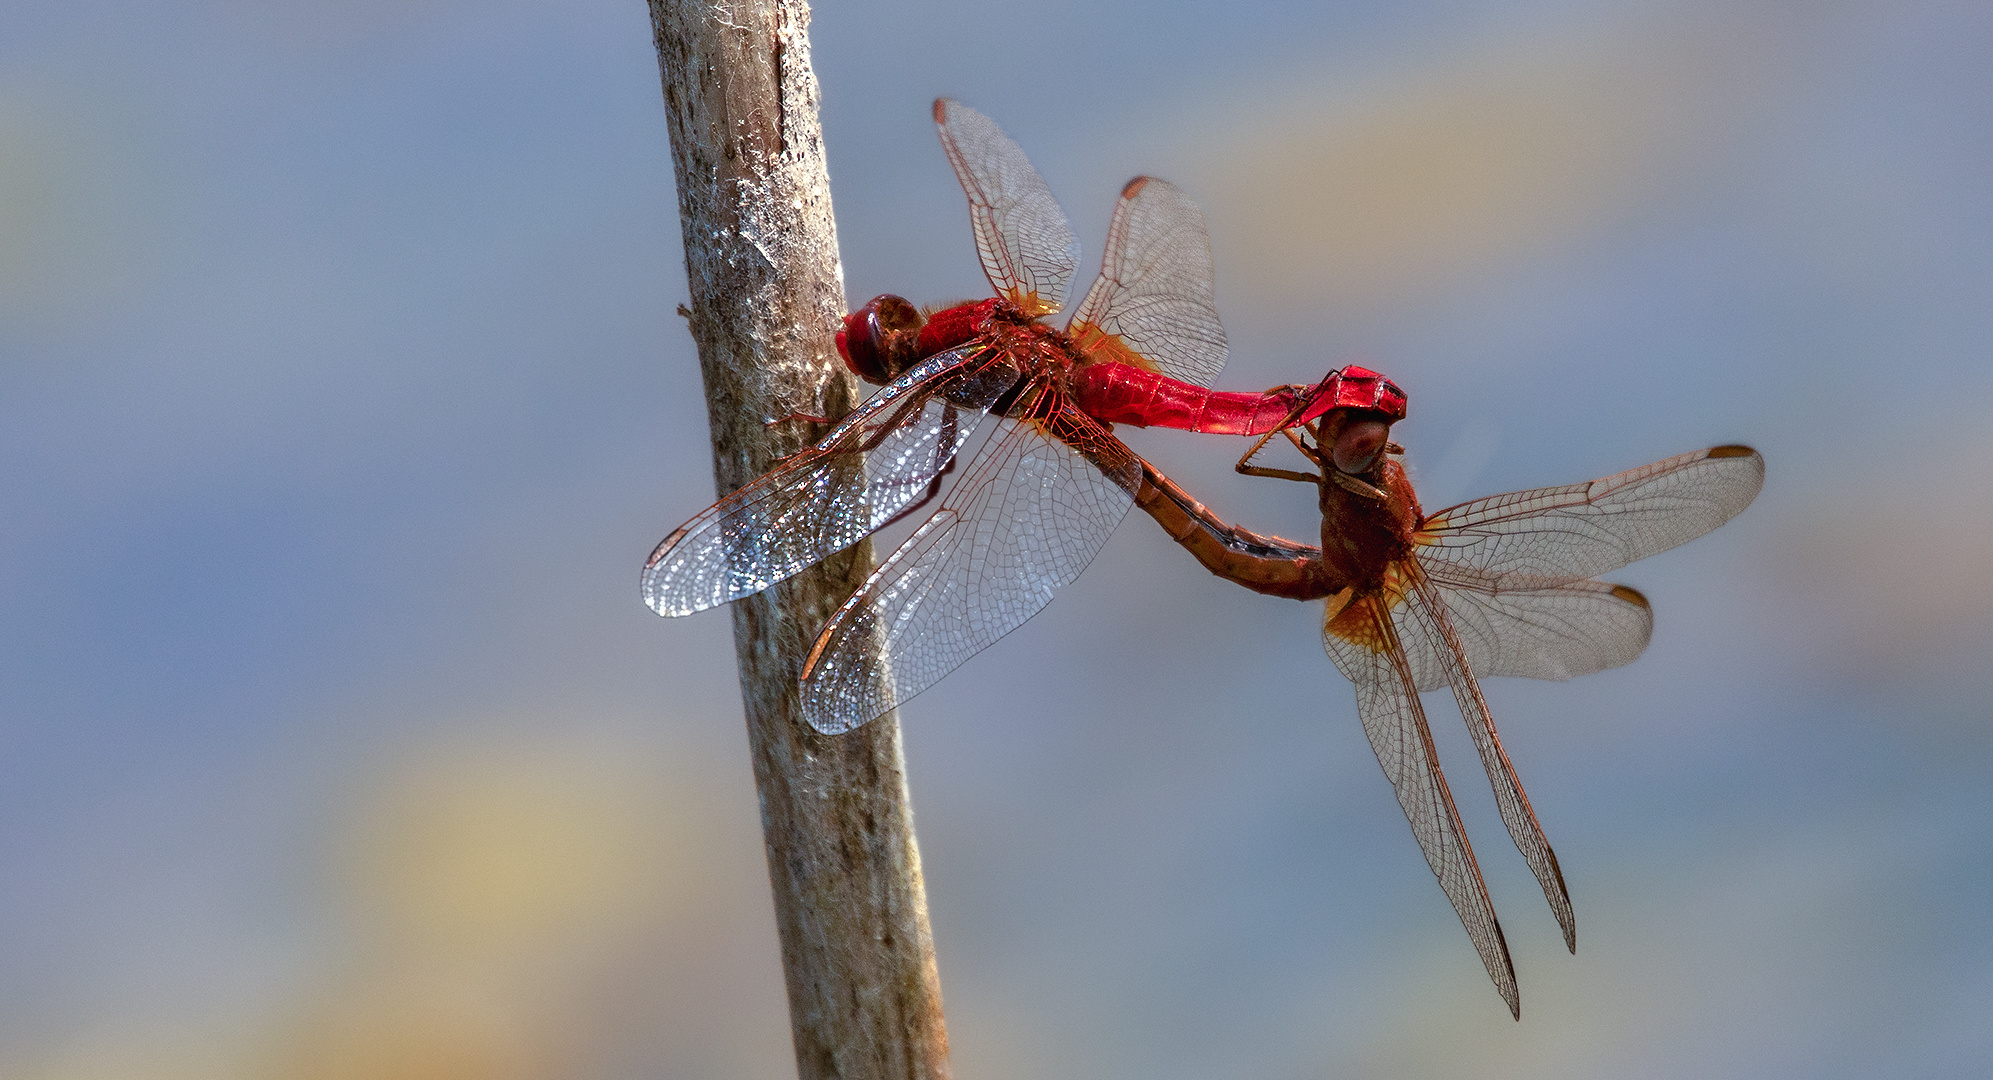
(1153, 304)
(1037, 504)
(1028, 249)
(1363, 642)
(827, 497)
(1550, 536)
(1428, 619)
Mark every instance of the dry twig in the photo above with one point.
(761, 260)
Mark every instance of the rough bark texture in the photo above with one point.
(767, 294)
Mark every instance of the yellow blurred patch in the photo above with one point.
(140, 1053)
(414, 1029)
(536, 907)
(1349, 202)
(497, 848)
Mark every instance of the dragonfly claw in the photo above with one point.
(1350, 483)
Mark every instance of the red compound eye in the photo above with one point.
(878, 340)
(1358, 443)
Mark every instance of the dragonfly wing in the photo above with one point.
(1429, 620)
(829, 496)
(1364, 643)
(1154, 297)
(1550, 536)
(1037, 504)
(1028, 249)
(1555, 632)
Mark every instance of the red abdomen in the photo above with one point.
(1124, 394)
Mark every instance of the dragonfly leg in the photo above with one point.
(799, 417)
(1352, 484)
(1246, 467)
(933, 489)
(950, 418)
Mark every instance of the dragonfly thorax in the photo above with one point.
(1362, 537)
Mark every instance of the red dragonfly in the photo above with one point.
(1048, 486)
(1498, 586)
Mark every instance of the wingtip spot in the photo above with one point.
(1631, 595)
(1133, 187)
(1732, 450)
(941, 110)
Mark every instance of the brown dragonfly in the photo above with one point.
(1504, 585)
(1049, 484)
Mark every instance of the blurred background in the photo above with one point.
(341, 399)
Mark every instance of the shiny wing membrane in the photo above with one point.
(1028, 249)
(1428, 621)
(1035, 507)
(1155, 294)
(1550, 536)
(1556, 632)
(1364, 643)
(831, 495)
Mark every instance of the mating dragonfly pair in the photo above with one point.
(1499, 586)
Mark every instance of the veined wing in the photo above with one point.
(823, 499)
(1363, 642)
(1555, 632)
(1153, 305)
(1028, 249)
(1428, 620)
(1035, 507)
(1448, 633)
(1550, 536)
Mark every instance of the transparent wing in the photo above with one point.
(1153, 305)
(1428, 620)
(880, 458)
(1555, 632)
(1036, 506)
(1549, 536)
(1363, 642)
(1028, 249)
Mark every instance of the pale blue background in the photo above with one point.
(341, 398)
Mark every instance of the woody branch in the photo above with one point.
(761, 263)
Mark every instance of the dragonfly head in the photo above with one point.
(1357, 426)
(880, 340)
